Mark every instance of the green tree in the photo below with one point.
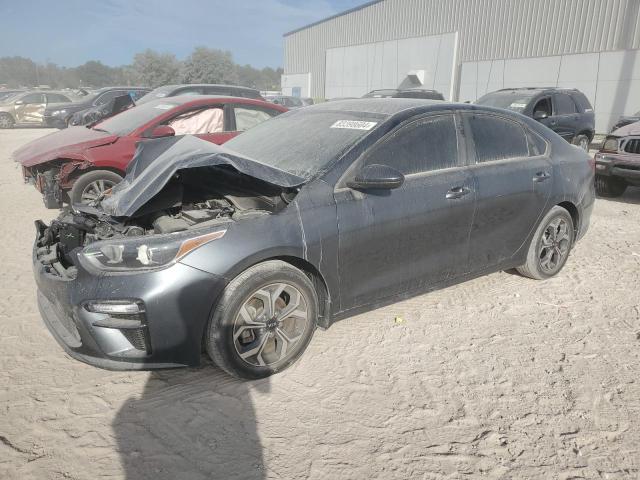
(154, 69)
(209, 65)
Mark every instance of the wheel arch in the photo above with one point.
(67, 179)
(575, 215)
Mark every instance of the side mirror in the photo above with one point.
(162, 131)
(379, 177)
(540, 115)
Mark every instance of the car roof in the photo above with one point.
(220, 85)
(535, 90)
(106, 89)
(205, 99)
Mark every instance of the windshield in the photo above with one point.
(511, 101)
(126, 122)
(160, 92)
(302, 142)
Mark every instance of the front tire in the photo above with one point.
(263, 322)
(91, 185)
(550, 245)
(6, 121)
(610, 186)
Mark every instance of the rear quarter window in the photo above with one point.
(497, 138)
(582, 102)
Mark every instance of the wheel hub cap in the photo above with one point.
(554, 246)
(270, 324)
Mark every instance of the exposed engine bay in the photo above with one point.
(195, 198)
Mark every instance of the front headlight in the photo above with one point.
(144, 253)
(610, 144)
(57, 113)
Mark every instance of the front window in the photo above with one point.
(509, 101)
(129, 120)
(303, 142)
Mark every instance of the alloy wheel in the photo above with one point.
(5, 121)
(94, 190)
(554, 247)
(269, 324)
(584, 144)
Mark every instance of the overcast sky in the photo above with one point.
(70, 32)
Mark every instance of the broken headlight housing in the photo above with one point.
(145, 252)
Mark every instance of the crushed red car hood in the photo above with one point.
(68, 143)
(631, 129)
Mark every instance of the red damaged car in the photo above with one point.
(77, 164)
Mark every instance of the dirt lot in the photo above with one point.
(500, 377)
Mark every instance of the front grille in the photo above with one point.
(137, 337)
(632, 146)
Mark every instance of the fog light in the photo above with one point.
(115, 307)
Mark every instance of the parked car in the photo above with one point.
(405, 93)
(78, 164)
(59, 116)
(306, 101)
(618, 161)
(566, 111)
(201, 89)
(626, 120)
(27, 108)
(8, 93)
(286, 101)
(95, 114)
(316, 215)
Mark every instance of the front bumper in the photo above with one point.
(626, 166)
(178, 301)
(55, 121)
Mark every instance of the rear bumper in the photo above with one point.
(178, 301)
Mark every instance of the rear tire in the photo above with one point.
(248, 335)
(582, 141)
(610, 186)
(89, 186)
(6, 121)
(550, 245)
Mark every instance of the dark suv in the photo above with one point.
(565, 111)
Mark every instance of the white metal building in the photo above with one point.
(465, 48)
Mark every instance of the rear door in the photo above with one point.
(566, 116)
(513, 182)
(398, 241)
(31, 110)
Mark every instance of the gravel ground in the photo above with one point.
(499, 377)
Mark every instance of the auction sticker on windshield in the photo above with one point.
(354, 124)
(164, 106)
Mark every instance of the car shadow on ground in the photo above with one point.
(190, 425)
(630, 196)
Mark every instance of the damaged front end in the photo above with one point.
(159, 213)
(112, 288)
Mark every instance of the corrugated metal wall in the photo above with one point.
(489, 29)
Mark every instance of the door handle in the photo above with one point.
(541, 177)
(457, 192)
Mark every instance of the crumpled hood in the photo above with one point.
(157, 161)
(627, 130)
(67, 143)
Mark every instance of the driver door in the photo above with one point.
(30, 110)
(399, 241)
